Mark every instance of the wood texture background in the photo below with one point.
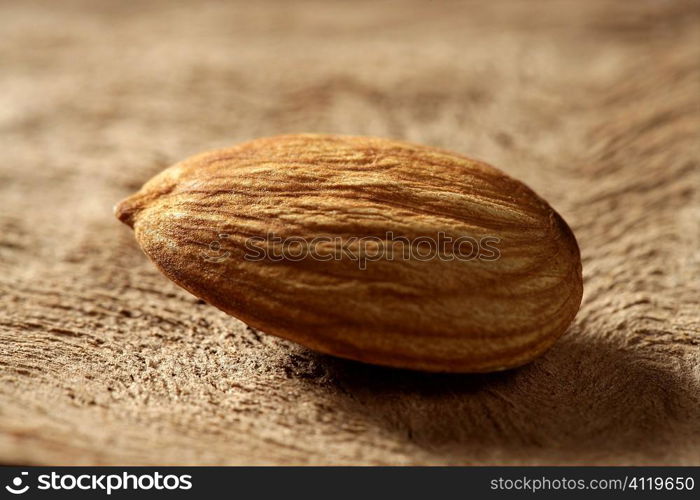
(595, 105)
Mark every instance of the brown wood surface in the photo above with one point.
(595, 105)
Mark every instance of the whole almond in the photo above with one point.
(373, 206)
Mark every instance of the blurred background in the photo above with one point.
(593, 104)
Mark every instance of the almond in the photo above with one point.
(366, 248)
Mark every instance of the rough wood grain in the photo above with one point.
(102, 360)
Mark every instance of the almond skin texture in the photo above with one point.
(195, 221)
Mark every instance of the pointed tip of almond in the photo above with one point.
(126, 210)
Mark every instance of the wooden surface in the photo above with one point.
(595, 105)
